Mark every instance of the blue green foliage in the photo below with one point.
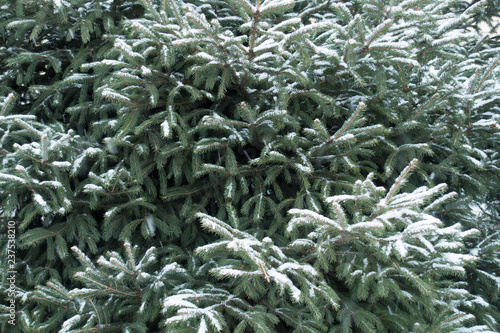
(250, 166)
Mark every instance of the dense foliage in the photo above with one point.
(251, 166)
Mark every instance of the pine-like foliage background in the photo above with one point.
(251, 166)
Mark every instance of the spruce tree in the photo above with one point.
(250, 166)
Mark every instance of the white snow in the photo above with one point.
(165, 126)
(457, 258)
(366, 225)
(151, 225)
(400, 247)
(5, 176)
(229, 189)
(296, 267)
(92, 151)
(145, 71)
(476, 162)
(69, 323)
(92, 188)
(109, 213)
(230, 271)
(303, 168)
(39, 199)
(283, 280)
(52, 183)
(309, 217)
(203, 326)
(114, 95)
(61, 164)
(77, 163)
(112, 62)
